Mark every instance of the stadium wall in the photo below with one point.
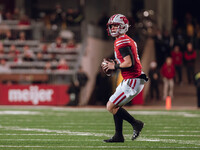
(95, 51)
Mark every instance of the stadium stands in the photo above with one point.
(29, 57)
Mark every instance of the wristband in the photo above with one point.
(117, 66)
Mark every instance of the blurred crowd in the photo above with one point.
(175, 51)
(48, 24)
(63, 18)
(58, 54)
(60, 19)
(25, 53)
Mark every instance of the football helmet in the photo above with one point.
(121, 21)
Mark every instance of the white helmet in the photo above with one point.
(118, 19)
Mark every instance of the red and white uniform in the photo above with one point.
(131, 85)
(126, 41)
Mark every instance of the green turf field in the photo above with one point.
(42, 128)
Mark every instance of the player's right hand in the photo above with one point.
(105, 66)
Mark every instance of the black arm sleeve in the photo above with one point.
(125, 51)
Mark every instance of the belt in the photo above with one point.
(143, 76)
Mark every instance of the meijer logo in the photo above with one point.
(33, 94)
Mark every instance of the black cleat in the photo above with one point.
(137, 130)
(115, 139)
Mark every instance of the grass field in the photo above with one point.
(55, 128)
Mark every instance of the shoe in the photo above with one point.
(137, 129)
(115, 139)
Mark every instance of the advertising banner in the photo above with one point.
(34, 95)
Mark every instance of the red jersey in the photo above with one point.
(62, 67)
(126, 41)
(168, 71)
(177, 58)
(190, 56)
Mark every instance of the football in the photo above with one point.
(108, 72)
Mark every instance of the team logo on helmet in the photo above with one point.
(121, 21)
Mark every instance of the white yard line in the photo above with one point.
(12, 112)
(173, 131)
(66, 140)
(98, 147)
(188, 127)
(28, 134)
(177, 135)
(169, 113)
(193, 142)
(38, 134)
(56, 131)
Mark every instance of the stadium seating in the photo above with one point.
(35, 67)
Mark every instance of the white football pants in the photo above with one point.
(127, 90)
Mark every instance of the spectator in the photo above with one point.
(8, 16)
(39, 57)
(166, 43)
(179, 39)
(45, 49)
(82, 77)
(14, 50)
(18, 60)
(28, 54)
(197, 83)
(52, 21)
(24, 20)
(9, 35)
(16, 14)
(154, 76)
(13, 53)
(47, 67)
(102, 90)
(22, 36)
(27, 57)
(73, 17)
(11, 57)
(71, 44)
(58, 44)
(2, 35)
(190, 31)
(190, 57)
(53, 58)
(168, 73)
(78, 17)
(59, 15)
(177, 57)
(70, 15)
(62, 65)
(4, 68)
(73, 91)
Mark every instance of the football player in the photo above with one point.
(127, 60)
